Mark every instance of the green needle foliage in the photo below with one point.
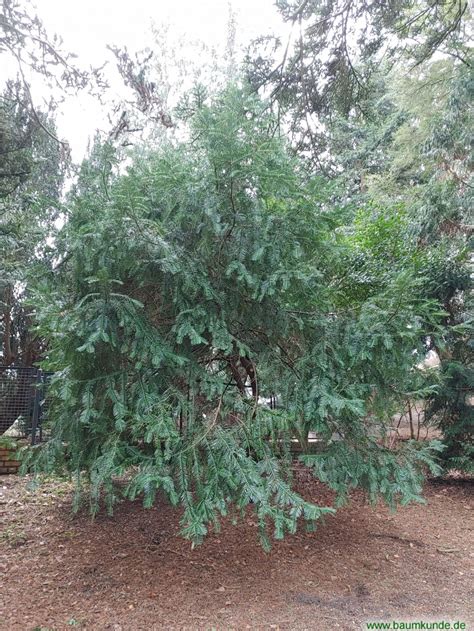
(201, 280)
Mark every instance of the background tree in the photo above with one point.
(31, 175)
(33, 163)
(325, 68)
(414, 150)
(376, 97)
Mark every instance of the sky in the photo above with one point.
(87, 26)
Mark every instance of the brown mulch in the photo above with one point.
(133, 572)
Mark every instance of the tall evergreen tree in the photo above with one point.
(32, 168)
(369, 104)
(334, 49)
(193, 286)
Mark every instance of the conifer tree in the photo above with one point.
(196, 284)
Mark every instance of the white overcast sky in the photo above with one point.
(87, 26)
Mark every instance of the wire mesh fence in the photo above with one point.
(23, 402)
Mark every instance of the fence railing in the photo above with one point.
(23, 402)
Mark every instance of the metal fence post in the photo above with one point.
(36, 407)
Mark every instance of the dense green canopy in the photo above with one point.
(205, 278)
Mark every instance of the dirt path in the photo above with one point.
(133, 573)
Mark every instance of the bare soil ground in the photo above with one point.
(133, 572)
